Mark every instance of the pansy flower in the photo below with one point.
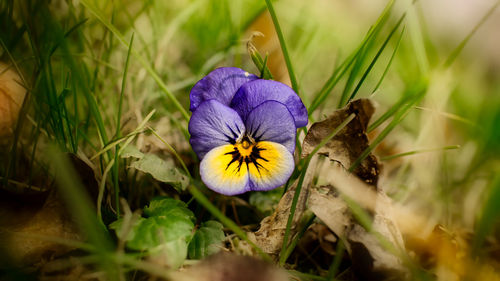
(243, 130)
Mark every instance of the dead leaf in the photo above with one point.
(369, 254)
(331, 209)
(227, 266)
(270, 235)
(33, 224)
(349, 143)
(11, 99)
(371, 259)
(29, 233)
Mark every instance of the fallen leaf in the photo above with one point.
(228, 266)
(371, 257)
(131, 151)
(331, 209)
(11, 98)
(30, 229)
(161, 170)
(34, 224)
(349, 143)
(270, 235)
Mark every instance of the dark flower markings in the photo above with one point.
(251, 159)
(232, 139)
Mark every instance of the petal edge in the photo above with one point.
(220, 84)
(253, 93)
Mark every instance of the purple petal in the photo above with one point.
(220, 84)
(214, 124)
(253, 93)
(271, 121)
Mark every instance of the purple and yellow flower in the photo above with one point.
(243, 130)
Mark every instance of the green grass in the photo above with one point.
(102, 77)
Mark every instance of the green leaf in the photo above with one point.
(161, 170)
(206, 241)
(168, 207)
(131, 151)
(166, 232)
(155, 231)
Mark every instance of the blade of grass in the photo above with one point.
(66, 114)
(337, 74)
(118, 128)
(260, 63)
(355, 70)
(398, 117)
(10, 168)
(143, 62)
(78, 75)
(448, 115)
(309, 219)
(413, 152)
(489, 215)
(409, 95)
(417, 40)
(296, 195)
(363, 52)
(339, 254)
(454, 54)
(361, 81)
(128, 139)
(132, 134)
(78, 202)
(284, 49)
(390, 61)
(341, 70)
(173, 151)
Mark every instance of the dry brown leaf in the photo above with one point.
(331, 209)
(383, 263)
(227, 266)
(11, 99)
(29, 234)
(269, 237)
(369, 257)
(33, 226)
(371, 260)
(349, 143)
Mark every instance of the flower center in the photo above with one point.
(246, 151)
(244, 147)
(245, 144)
